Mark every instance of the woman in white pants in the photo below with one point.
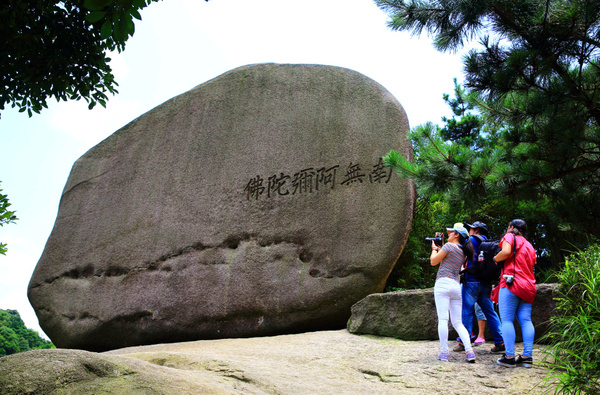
(448, 300)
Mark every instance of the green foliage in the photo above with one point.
(9, 341)
(442, 167)
(524, 140)
(453, 186)
(15, 337)
(413, 269)
(114, 18)
(575, 328)
(535, 84)
(58, 48)
(465, 127)
(6, 217)
(450, 174)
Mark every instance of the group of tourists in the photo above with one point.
(514, 292)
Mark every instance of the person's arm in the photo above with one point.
(437, 254)
(504, 253)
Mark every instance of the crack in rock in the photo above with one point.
(231, 243)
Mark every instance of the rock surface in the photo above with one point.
(411, 314)
(82, 372)
(325, 362)
(254, 204)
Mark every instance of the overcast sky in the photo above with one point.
(178, 45)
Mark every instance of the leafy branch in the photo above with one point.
(6, 217)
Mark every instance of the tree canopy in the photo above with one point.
(59, 48)
(15, 337)
(535, 81)
(441, 153)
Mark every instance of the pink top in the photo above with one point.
(524, 282)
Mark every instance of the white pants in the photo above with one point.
(448, 299)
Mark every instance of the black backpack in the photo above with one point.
(484, 267)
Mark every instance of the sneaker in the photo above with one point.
(459, 348)
(470, 356)
(479, 341)
(443, 356)
(526, 362)
(497, 349)
(508, 362)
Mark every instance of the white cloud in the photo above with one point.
(90, 127)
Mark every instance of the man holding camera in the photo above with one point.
(476, 291)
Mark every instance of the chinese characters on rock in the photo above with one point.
(313, 179)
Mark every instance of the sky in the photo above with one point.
(178, 45)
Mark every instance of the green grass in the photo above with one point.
(573, 351)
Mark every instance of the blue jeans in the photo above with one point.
(478, 313)
(476, 292)
(509, 306)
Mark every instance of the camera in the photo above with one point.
(509, 278)
(437, 240)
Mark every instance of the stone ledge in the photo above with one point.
(411, 314)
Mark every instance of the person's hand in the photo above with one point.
(440, 235)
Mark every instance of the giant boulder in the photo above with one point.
(254, 204)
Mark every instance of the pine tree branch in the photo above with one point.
(571, 84)
(400, 165)
(438, 149)
(555, 176)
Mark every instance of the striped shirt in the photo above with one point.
(452, 262)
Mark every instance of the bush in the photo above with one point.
(574, 336)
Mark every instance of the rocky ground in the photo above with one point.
(327, 362)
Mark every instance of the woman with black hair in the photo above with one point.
(448, 299)
(517, 291)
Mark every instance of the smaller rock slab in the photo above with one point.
(411, 315)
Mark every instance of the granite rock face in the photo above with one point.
(62, 371)
(254, 204)
(323, 362)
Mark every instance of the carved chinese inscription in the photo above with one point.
(313, 179)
